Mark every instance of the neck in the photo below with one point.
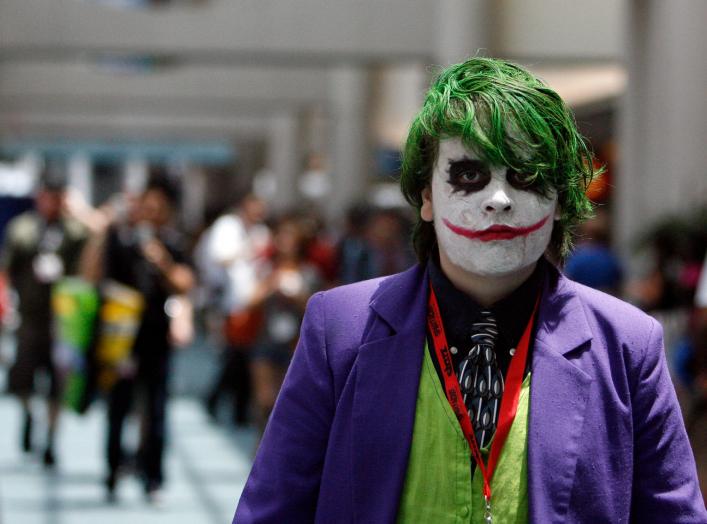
(486, 290)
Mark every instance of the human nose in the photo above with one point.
(498, 200)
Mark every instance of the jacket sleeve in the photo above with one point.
(665, 485)
(283, 485)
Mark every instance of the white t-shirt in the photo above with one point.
(239, 251)
(701, 292)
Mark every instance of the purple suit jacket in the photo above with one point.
(606, 437)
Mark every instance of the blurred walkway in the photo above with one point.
(206, 468)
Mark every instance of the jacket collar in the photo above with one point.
(562, 323)
(398, 295)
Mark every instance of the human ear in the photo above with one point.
(558, 213)
(426, 210)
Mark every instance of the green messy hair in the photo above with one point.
(508, 117)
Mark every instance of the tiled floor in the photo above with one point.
(206, 468)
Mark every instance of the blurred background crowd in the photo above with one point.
(177, 178)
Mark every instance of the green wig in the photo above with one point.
(508, 117)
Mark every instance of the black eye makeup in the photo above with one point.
(523, 180)
(468, 175)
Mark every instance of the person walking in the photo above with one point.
(41, 247)
(147, 255)
(236, 246)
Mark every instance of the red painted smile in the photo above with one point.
(497, 232)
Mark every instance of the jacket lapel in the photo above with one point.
(558, 399)
(387, 373)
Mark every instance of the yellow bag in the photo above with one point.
(120, 317)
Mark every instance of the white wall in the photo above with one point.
(663, 115)
(250, 27)
(561, 28)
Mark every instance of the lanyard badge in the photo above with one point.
(509, 402)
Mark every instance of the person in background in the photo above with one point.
(147, 254)
(353, 250)
(592, 262)
(387, 234)
(693, 352)
(320, 250)
(41, 247)
(691, 367)
(235, 247)
(282, 293)
(701, 290)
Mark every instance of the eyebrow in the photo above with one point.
(466, 159)
(473, 163)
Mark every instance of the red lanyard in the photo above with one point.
(509, 401)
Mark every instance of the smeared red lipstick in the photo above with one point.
(497, 232)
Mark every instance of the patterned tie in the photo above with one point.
(480, 379)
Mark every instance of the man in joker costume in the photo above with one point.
(481, 385)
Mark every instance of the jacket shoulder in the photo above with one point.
(335, 321)
(612, 311)
(390, 296)
(351, 297)
(345, 311)
(627, 333)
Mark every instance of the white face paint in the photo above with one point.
(486, 223)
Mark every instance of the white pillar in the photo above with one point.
(250, 158)
(283, 159)
(80, 175)
(135, 174)
(663, 117)
(351, 160)
(193, 188)
(464, 28)
(400, 93)
(317, 127)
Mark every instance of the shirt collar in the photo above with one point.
(459, 311)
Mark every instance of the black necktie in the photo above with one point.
(481, 380)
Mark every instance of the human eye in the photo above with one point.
(523, 180)
(468, 175)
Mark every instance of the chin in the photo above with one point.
(499, 262)
(494, 259)
(499, 269)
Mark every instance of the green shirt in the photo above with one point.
(438, 485)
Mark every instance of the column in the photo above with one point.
(193, 188)
(250, 158)
(663, 117)
(80, 175)
(400, 93)
(282, 159)
(464, 28)
(351, 161)
(135, 174)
